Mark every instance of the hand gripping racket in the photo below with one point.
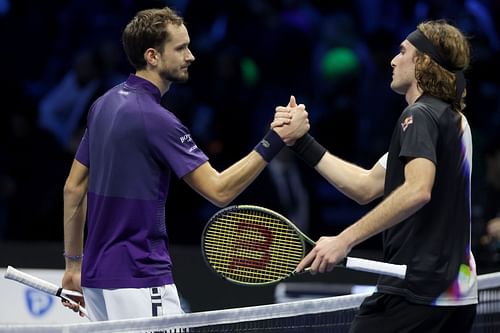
(42, 285)
(251, 245)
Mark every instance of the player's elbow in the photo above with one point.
(68, 190)
(366, 189)
(422, 197)
(71, 191)
(220, 203)
(221, 198)
(365, 197)
(362, 200)
(365, 194)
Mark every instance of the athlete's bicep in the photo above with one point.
(420, 173)
(376, 180)
(203, 180)
(78, 176)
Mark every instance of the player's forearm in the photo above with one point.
(75, 208)
(399, 205)
(232, 181)
(350, 179)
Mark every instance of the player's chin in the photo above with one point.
(182, 77)
(178, 77)
(398, 88)
(394, 85)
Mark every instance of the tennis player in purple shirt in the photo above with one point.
(119, 181)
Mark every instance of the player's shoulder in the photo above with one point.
(147, 106)
(160, 119)
(430, 104)
(427, 107)
(158, 113)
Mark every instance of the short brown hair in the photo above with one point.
(147, 29)
(431, 77)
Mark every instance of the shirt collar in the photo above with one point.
(136, 82)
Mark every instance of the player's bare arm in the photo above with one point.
(75, 209)
(357, 183)
(220, 188)
(399, 205)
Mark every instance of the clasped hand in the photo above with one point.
(291, 122)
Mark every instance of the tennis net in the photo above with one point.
(329, 314)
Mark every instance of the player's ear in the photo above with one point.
(151, 56)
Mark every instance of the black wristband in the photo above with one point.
(308, 149)
(269, 146)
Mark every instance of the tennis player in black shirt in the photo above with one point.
(425, 181)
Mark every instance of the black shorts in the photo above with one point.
(391, 313)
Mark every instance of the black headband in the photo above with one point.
(423, 44)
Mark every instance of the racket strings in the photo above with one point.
(213, 241)
(283, 266)
(271, 273)
(258, 250)
(252, 247)
(284, 230)
(283, 237)
(284, 234)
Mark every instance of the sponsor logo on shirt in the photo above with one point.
(186, 138)
(407, 122)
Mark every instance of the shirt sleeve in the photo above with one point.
(82, 154)
(172, 144)
(383, 160)
(419, 134)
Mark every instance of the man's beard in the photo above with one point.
(175, 76)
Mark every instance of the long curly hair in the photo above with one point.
(431, 77)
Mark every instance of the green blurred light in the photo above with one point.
(249, 71)
(338, 62)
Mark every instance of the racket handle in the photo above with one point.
(42, 285)
(31, 281)
(377, 267)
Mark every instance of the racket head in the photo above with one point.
(252, 245)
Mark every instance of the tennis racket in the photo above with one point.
(43, 285)
(252, 245)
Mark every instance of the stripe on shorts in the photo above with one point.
(156, 308)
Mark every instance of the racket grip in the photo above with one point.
(31, 281)
(377, 267)
(45, 286)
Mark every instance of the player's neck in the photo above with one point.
(413, 94)
(155, 79)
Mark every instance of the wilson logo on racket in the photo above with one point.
(252, 245)
(249, 250)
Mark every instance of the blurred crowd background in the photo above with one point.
(334, 56)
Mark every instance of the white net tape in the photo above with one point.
(488, 284)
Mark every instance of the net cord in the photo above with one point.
(206, 318)
(261, 312)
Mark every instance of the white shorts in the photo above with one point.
(127, 303)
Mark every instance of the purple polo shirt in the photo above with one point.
(131, 146)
